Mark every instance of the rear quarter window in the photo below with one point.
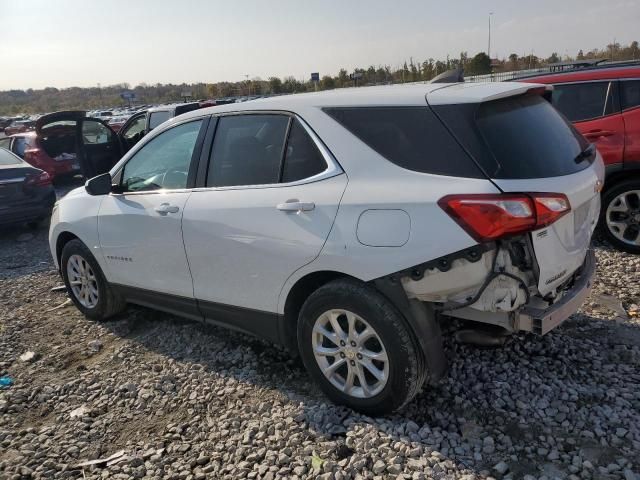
(410, 137)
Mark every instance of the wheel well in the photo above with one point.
(620, 176)
(304, 287)
(63, 239)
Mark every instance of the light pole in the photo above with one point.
(489, 46)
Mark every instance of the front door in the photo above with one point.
(140, 228)
(265, 211)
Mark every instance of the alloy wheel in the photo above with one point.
(623, 217)
(82, 280)
(350, 353)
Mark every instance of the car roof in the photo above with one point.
(413, 94)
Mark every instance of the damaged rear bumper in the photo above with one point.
(542, 320)
(537, 316)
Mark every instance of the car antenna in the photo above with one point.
(455, 75)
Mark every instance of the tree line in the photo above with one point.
(13, 102)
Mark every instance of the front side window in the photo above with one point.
(5, 143)
(156, 118)
(629, 94)
(583, 101)
(163, 163)
(247, 150)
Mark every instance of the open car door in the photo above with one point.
(132, 131)
(71, 135)
(100, 147)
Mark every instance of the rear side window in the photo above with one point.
(516, 137)
(247, 150)
(584, 101)
(410, 137)
(156, 118)
(303, 159)
(629, 93)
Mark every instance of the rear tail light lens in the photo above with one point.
(38, 180)
(488, 217)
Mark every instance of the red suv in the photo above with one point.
(33, 149)
(604, 105)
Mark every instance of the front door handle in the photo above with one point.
(165, 208)
(296, 206)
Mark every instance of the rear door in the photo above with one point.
(523, 145)
(268, 202)
(630, 105)
(594, 109)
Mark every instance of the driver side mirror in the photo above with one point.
(100, 185)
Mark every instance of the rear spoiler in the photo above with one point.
(485, 92)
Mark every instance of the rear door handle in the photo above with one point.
(593, 134)
(165, 208)
(296, 206)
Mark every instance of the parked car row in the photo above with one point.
(345, 224)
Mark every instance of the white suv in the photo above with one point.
(345, 225)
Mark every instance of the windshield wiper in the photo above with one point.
(587, 153)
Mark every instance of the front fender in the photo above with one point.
(77, 214)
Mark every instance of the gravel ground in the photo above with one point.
(180, 400)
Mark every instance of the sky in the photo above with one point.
(67, 43)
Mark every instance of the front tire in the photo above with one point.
(358, 348)
(620, 216)
(86, 284)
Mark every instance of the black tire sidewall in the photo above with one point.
(391, 328)
(607, 197)
(76, 247)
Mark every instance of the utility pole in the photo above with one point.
(489, 45)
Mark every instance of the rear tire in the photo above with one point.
(86, 284)
(620, 215)
(379, 363)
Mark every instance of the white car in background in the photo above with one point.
(345, 224)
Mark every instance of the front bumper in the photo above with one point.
(543, 320)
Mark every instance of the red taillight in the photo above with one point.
(488, 217)
(38, 180)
